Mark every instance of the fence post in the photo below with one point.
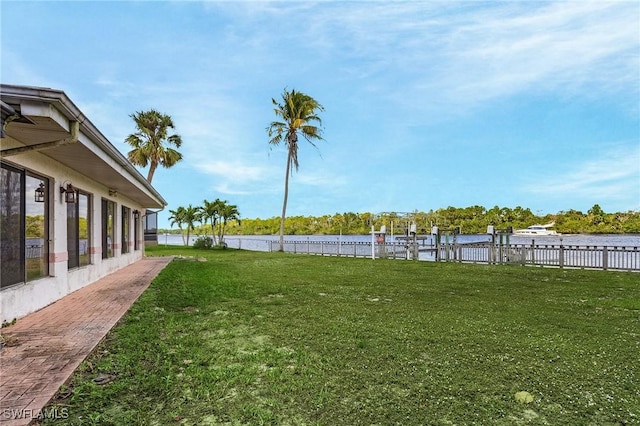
(533, 252)
(446, 245)
(373, 243)
(605, 258)
(561, 254)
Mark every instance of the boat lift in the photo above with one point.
(410, 243)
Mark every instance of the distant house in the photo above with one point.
(72, 207)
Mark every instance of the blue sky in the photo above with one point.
(427, 104)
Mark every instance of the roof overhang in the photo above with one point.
(45, 120)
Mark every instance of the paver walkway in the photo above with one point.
(45, 347)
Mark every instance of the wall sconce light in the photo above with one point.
(40, 191)
(113, 192)
(136, 214)
(69, 193)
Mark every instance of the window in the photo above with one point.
(78, 226)
(136, 230)
(36, 228)
(125, 229)
(108, 228)
(24, 248)
(84, 228)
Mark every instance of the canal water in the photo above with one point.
(262, 242)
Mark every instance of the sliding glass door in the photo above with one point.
(12, 226)
(24, 213)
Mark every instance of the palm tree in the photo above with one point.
(149, 139)
(228, 212)
(177, 218)
(185, 216)
(191, 215)
(211, 213)
(298, 114)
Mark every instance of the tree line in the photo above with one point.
(470, 220)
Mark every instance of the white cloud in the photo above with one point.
(612, 175)
(227, 189)
(325, 179)
(460, 54)
(235, 171)
(554, 47)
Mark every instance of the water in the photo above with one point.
(261, 242)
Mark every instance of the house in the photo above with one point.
(72, 207)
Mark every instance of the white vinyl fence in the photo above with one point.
(561, 256)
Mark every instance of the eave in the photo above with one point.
(45, 120)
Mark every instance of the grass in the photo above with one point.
(244, 338)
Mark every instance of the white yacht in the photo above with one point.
(536, 231)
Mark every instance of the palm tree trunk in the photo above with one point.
(152, 170)
(284, 203)
(224, 228)
(213, 232)
(220, 230)
(182, 235)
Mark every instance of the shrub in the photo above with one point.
(203, 242)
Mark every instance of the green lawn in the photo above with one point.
(234, 337)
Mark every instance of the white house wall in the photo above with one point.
(21, 299)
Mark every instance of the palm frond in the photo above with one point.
(152, 129)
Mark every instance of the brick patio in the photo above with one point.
(44, 348)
